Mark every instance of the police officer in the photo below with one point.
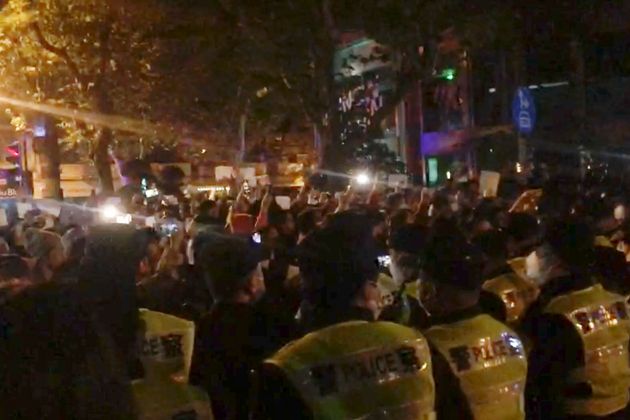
(163, 392)
(579, 365)
(400, 293)
(349, 366)
(480, 366)
(506, 294)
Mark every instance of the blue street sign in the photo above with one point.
(523, 111)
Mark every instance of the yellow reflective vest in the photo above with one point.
(516, 293)
(159, 399)
(361, 369)
(388, 288)
(489, 361)
(163, 393)
(519, 265)
(603, 242)
(602, 322)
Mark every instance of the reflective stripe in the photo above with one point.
(360, 370)
(602, 321)
(489, 360)
(500, 393)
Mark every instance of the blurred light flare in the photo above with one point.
(115, 122)
(448, 74)
(110, 212)
(124, 219)
(39, 131)
(363, 178)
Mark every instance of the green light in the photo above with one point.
(449, 74)
(432, 163)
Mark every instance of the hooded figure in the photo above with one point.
(56, 363)
(108, 280)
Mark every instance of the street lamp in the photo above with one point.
(110, 212)
(363, 178)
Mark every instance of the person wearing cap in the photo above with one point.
(107, 284)
(57, 363)
(506, 295)
(348, 365)
(480, 367)
(399, 292)
(46, 252)
(579, 364)
(228, 347)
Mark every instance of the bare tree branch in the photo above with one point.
(329, 22)
(60, 52)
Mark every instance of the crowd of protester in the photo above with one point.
(97, 321)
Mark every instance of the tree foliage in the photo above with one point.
(297, 41)
(171, 70)
(86, 55)
(198, 69)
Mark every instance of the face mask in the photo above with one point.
(622, 247)
(539, 264)
(620, 213)
(532, 266)
(190, 252)
(397, 273)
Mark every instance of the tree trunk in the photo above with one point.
(520, 79)
(414, 121)
(329, 127)
(503, 89)
(101, 160)
(46, 148)
(104, 105)
(317, 144)
(578, 80)
(324, 141)
(242, 126)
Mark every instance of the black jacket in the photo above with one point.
(232, 340)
